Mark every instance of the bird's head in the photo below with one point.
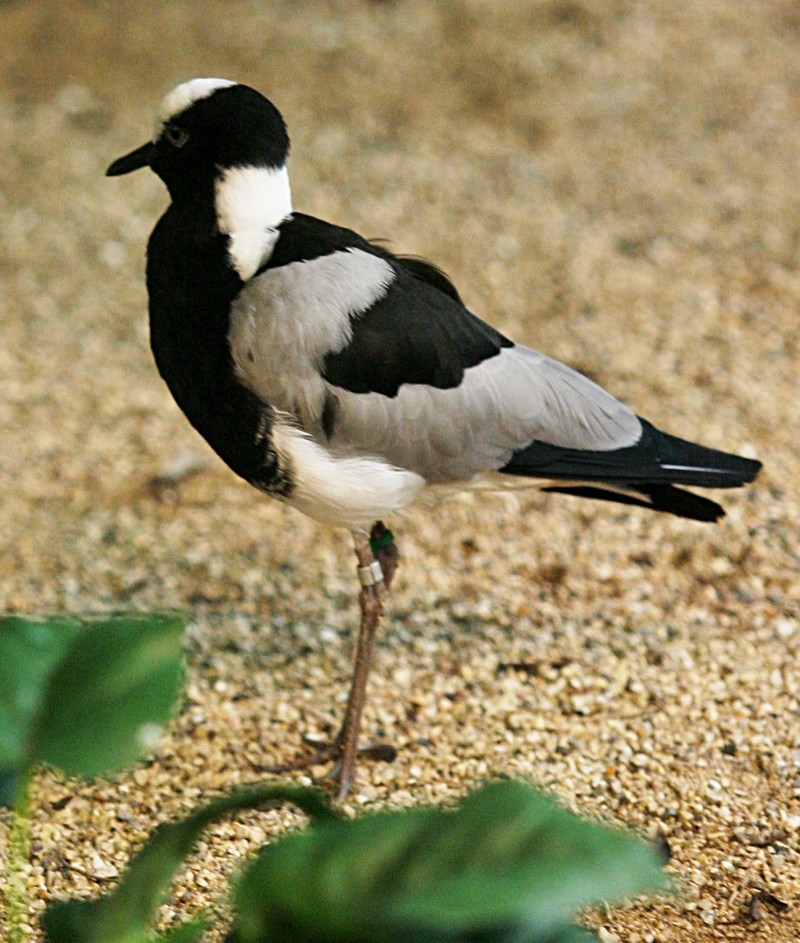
(221, 141)
(205, 127)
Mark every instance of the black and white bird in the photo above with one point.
(350, 382)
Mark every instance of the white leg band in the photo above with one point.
(370, 575)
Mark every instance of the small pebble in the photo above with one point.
(101, 869)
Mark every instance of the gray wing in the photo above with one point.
(372, 360)
(502, 405)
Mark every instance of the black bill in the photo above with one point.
(141, 157)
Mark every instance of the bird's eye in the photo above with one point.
(176, 136)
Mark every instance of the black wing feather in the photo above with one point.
(657, 458)
(647, 471)
(414, 334)
(431, 274)
(664, 498)
(418, 332)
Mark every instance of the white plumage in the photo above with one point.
(348, 491)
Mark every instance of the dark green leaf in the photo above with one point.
(517, 855)
(569, 933)
(10, 782)
(507, 858)
(30, 648)
(108, 696)
(125, 915)
(189, 932)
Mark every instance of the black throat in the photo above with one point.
(191, 287)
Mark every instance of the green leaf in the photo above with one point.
(189, 932)
(568, 933)
(108, 696)
(125, 915)
(11, 781)
(508, 864)
(88, 696)
(30, 648)
(75, 921)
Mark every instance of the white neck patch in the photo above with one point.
(183, 96)
(251, 202)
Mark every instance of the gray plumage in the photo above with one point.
(287, 319)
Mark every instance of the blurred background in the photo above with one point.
(614, 182)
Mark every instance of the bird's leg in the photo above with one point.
(378, 558)
(370, 600)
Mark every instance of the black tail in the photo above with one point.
(661, 498)
(642, 474)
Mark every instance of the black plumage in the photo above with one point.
(303, 238)
(649, 469)
(429, 273)
(392, 346)
(191, 287)
(657, 458)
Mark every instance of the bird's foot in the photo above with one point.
(338, 778)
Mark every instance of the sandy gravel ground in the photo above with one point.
(616, 183)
